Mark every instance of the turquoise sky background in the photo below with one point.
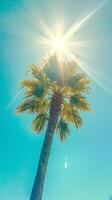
(89, 151)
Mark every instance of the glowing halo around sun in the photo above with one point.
(60, 42)
(64, 45)
(58, 47)
(57, 43)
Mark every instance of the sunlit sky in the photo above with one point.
(81, 167)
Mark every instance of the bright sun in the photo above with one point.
(58, 47)
(64, 44)
(59, 43)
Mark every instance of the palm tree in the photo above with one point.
(55, 94)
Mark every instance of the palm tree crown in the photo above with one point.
(48, 80)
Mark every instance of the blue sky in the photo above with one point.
(89, 152)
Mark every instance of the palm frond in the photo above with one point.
(34, 87)
(39, 122)
(39, 90)
(67, 91)
(43, 105)
(29, 105)
(63, 130)
(80, 102)
(82, 88)
(37, 72)
(29, 84)
(79, 83)
(71, 115)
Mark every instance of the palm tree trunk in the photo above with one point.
(38, 185)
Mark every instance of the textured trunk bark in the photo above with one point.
(38, 185)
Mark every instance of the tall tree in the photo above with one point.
(56, 94)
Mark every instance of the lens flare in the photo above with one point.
(58, 41)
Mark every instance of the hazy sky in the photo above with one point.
(81, 167)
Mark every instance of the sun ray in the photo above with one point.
(48, 32)
(91, 69)
(13, 99)
(57, 41)
(75, 27)
(93, 76)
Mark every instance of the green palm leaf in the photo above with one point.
(29, 105)
(79, 83)
(34, 87)
(39, 90)
(67, 91)
(37, 72)
(71, 115)
(39, 122)
(29, 84)
(43, 105)
(63, 130)
(80, 102)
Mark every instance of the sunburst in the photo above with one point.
(60, 42)
(64, 44)
(57, 43)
